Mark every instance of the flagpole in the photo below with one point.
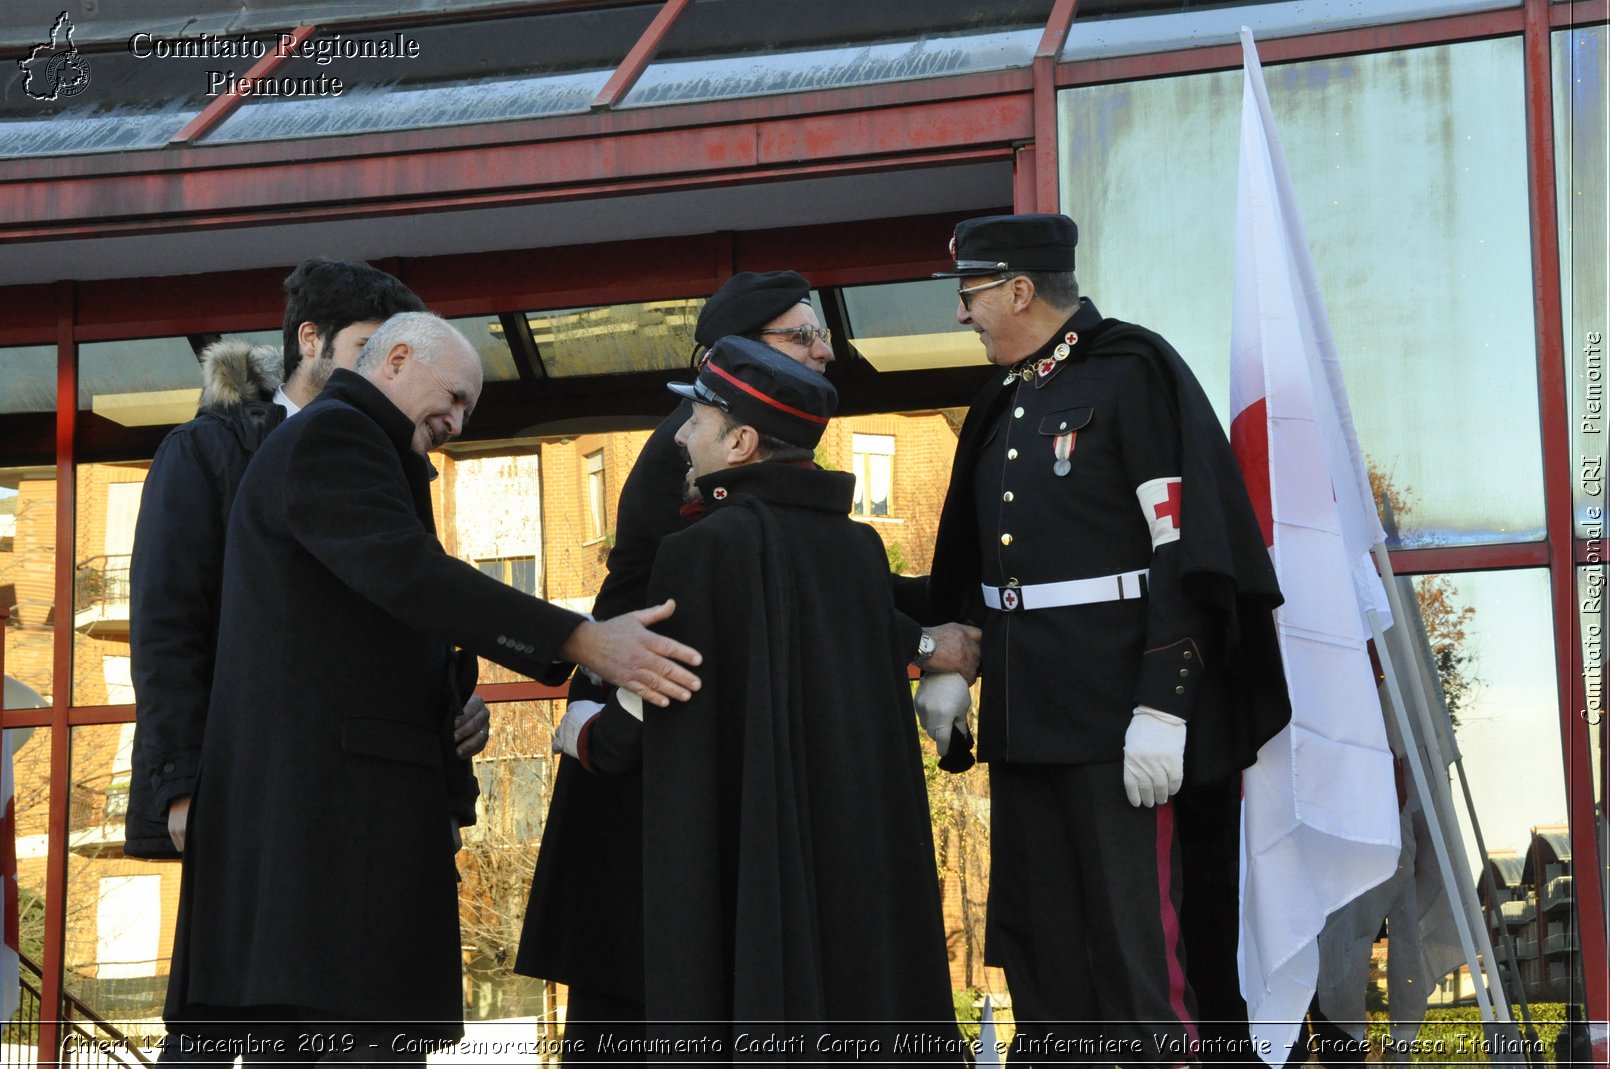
(1504, 1037)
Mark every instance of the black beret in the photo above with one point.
(993, 244)
(748, 301)
(765, 389)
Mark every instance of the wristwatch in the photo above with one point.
(925, 649)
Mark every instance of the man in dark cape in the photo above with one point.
(583, 925)
(791, 900)
(1097, 526)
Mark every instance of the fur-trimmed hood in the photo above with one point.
(233, 371)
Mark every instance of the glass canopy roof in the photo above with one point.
(133, 75)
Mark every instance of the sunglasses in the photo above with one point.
(805, 336)
(965, 294)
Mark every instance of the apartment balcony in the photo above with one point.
(101, 596)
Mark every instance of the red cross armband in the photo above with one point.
(1160, 504)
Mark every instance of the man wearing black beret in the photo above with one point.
(1097, 527)
(790, 898)
(583, 923)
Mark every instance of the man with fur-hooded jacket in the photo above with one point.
(174, 576)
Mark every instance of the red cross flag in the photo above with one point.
(1320, 819)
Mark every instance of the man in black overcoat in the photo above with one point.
(1098, 528)
(791, 901)
(583, 926)
(319, 884)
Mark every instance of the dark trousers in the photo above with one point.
(1084, 918)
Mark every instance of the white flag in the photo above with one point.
(1320, 819)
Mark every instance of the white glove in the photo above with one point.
(1154, 756)
(943, 701)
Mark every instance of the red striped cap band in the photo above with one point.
(772, 402)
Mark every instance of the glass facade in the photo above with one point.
(1581, 111)
(1410, 168)
(738, 48)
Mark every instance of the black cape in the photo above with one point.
(1225, 564)
(787, 852)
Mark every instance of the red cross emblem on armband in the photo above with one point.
(1161, 505)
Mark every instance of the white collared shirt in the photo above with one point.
(283, 399)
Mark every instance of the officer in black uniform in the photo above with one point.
(1098, 529)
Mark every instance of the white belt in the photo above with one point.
(1121, 587)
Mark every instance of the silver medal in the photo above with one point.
(1062, 467)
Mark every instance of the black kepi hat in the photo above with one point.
(765, 389)
(748, 301)
(997, 244)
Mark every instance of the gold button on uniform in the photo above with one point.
(1179, 690)
(1184, 672)
(1006, 539)
(1187, 655)
(1018, 412)
(1007, 497)
(1011, 454)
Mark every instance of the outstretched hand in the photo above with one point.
(625, 652)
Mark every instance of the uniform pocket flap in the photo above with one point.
(1066, 420)
(391, 741)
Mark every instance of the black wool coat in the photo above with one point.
(176, 576)
(318, 872)
(788, 865)
(583, 923)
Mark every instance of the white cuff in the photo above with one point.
(568, 730)
(1167, 718)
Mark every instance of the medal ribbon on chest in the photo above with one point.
(1062, 445)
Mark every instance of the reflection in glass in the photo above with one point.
(906, 326)
(28, 583)
(486, 335)
(445, 75)
(108, 504)
(1508, 726)
(515, 772)
(1410, 169)
(1107, 28)
(28, 379)
(652, 336)
(724, 48)
(120, 911)
(30, 766)
(141, 383)
(1581, 110)
(1591, 593)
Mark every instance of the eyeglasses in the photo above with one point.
(805, 336)
(965, 294)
